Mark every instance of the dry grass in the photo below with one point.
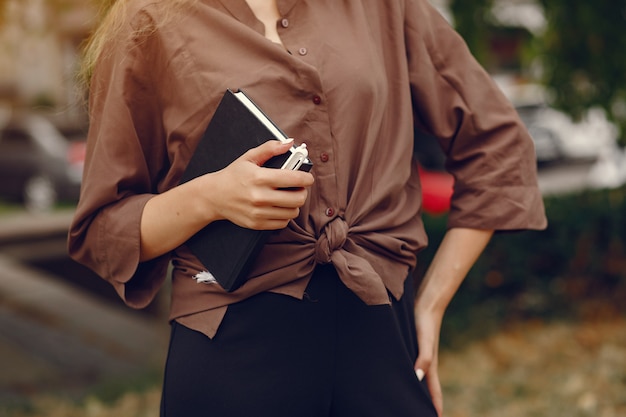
(527, 369)
(144, 404)
(534, 369)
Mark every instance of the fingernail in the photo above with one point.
(420, 374)
(288, 140)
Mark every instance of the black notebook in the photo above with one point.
(224, 248)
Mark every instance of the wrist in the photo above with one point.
(202, 197)
(428, 306)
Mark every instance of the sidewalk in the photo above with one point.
(55, 336)
(23, 225)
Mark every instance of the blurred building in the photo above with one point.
(39, 46)
(40, 41)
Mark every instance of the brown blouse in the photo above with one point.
(351, 80)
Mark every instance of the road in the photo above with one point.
(62, 336)
(564, 178)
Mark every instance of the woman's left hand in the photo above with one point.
(428, 326)
(456, 254)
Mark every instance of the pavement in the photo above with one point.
(57, 337)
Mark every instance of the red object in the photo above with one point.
(436, 190)
(76, 153)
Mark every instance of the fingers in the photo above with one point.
(434, 387)
(262, 153)
(278, 197)
(268, 218)
(427, 367)
(272, 177)
(427, 346)
(258, 198)
(282, 179)
(274, 208)
(423, 364)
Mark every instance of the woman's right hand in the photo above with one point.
(255, 197)
(244, 193)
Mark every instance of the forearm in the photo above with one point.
(244, 193)
(170, 218)
(457, 253)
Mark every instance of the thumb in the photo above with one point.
(421, 367)
(423, 363)
(262, 153)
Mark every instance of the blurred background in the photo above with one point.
(537, 329)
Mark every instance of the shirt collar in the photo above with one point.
(242, 12)
(285, 6)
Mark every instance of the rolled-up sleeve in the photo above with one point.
(488, 150)
(125, 154)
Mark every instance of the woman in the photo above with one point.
(327, 324)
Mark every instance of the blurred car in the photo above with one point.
(609, 171)
(39, 166)
(556, 135)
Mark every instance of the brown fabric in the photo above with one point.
(354, 78)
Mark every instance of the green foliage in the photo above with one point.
(581, 52)
(43, 100)
(9, 207)
(583, 56)
(575, 268)
(470, 20)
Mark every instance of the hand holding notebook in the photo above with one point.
(256, 197)
(238, 125)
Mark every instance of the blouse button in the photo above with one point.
(329, 212)
(284, 23)
(303, 51)
(317, 99)
(324, 157)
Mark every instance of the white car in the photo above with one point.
(39, 166)
(557, 136)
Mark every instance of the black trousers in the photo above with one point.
(330, 355)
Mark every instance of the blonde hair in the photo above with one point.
(111, 19)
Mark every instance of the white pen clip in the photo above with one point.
(298, 156)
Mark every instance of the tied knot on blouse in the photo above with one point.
(332, 238)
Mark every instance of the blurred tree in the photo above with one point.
(58, 6)
(470, 20)
(581, 52)
(583, 59)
